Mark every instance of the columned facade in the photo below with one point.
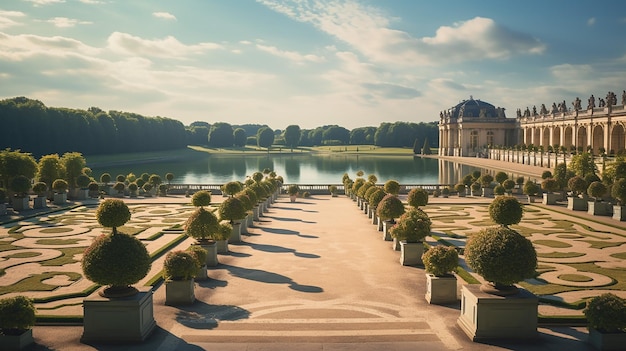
(472, 126)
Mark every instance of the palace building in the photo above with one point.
(472, 127)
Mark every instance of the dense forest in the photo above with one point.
(30, 126)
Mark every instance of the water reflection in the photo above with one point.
(300, 168)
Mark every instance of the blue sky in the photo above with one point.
(309, 62)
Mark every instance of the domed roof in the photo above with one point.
(475, 108)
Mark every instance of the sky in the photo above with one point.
(352, 63)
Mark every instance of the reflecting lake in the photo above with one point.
(301, 169)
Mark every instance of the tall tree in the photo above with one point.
(265, 138)
(240, 137)
(292, 136)
(221, 135)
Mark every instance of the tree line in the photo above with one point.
(31, 126)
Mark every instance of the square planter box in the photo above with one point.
(40, 202)
(222, 246)
(21, 203)
(118, 320)
(60, 199)
(550, 198)
(411, 253)
(3, 209)
(386, 226)
(380, 223)
(235, 236)
(487, 192)
(17, 342)
(607, 341)
(211, 258)
(576, 203)
(598, 208)
(619, 213)
(179, 292)
(486, 316)
(441, 290)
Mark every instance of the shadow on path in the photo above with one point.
(280, 249)
(270, 278)
(287, 219)
(200, 315)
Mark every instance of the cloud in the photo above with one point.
(124, 43)
(290, 55)
(591, 21)
(392, 91)
(18, 47)
(92, 2)
(64, 22)
(164, 15)
(6, 18)
(368, 30)
(37, 3)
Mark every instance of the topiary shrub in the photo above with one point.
(502, 256)
(20, 185)
(332, 189)
(232, 209)
(119, 187)
(459, 188)
(245, 201)
(357, 184)
(17, 314)
(293, 190)
(618, 191)
(199, 253)
(577, 185)
(486, 180)
(306, 195)
(499, 190)
(201, 198)
(506, 210)
(179, 265)
(224, 231)
(392, 187)
(105, 178)
(375, 197)
(475, 187)
(3, 196)
(60, 186)
(501, 177)
(202, 225)
(112, 213)
(133, 187)
(389, 207)
(550, 185)
(40, 188)
(596, 190)
(546, 174)
(147, 187)
(417, 197)
(412, 226)
(363, 190)
(440, 260)
(508, 185)
(530, 188)
(606, 313)
(82, 181)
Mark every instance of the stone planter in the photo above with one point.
(235, 236)
(550, 198)
(386, 226)
(487, 192)
(531, 199)
(411, 253)
(201, 273)
(60, 199)
(374, 218)
(118, 320)
(292, 198)
(211, 258)
(395, 244)
(250, 220)
(606, 341)
(222, 246)
(179, 292)
(256, 211)
(462, 193)
(21, 203)
(598, 208)
(619, 213)
(380, 223)
(40, 202)
(81, 194)
(3, 209)
(17, 342)
(485, 316)
(576, 203)
(441, 290)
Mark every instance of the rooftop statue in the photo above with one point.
(577, 104)
(591, 103)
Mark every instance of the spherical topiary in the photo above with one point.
(375, 198)
(119, 186)
(357, 184)
(530, 188)
(93, 187)
(260, 191)
(606, 313)
(440, 260)
(389, 207)
(40, 188)
(506, 210)
(60, 186)
(412, 226)
(618, 191)
(499, 190)
(550, 184)
(257, 176)
(293, 190)
(485, 180)
(112, 213)
(332, 189)
(577, 185)
(369, 192)
(199, 253)
(252, 195)
(201, 198)
(475, 186)
(418, 197)
(508, 184)
(596, 189)
(232, 209)
(501, 256)
(459, 188)
(546, 174)
(82, 181)
(17, 314)
(372, 178)
(392, 187)
(117, 260)
(202, 225)
(501, 177)
(20, 185)
(133, 187)
(232, 188)
(245, 200)
(179, 265)
(363, 189)
(224, 231)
